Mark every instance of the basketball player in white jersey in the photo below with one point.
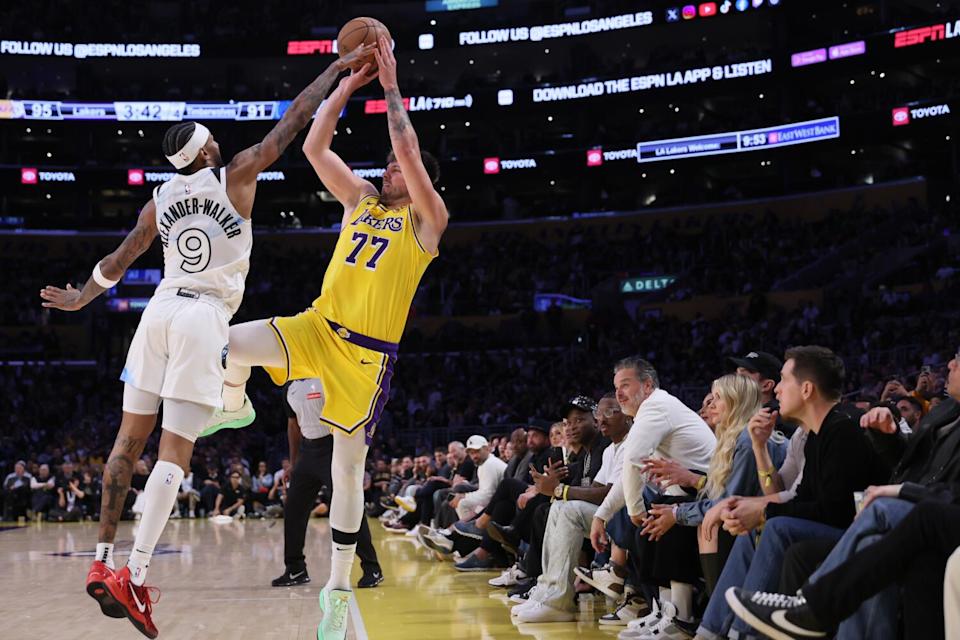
(178, 353)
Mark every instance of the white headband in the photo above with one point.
(188, 153)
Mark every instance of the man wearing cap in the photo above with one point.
(489, 474)
(502, 508)
(585, 457)
(762, 367)
(464, 536)
(569, 522)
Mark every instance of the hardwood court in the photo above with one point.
(215, 583)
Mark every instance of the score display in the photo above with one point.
(739, 141)
(155, 111)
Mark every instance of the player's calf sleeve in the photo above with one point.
(160, 494)
(234, 386)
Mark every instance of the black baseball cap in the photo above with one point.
(539, 424)
(580, 403)
(766, 364)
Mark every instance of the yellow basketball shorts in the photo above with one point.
(355, 370)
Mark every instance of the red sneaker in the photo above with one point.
(98, 591)
(135, 601)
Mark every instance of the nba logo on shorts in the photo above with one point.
(168, 479)
(901, 116)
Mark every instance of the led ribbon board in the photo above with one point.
(739, 141)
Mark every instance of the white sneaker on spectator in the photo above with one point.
(646, 621)
(519, 598)
(663, 629)
(406, 503)
(508, 578)
(667, 629)
(515, 611)
(388, 515)
(538, 612)
(413, 533)
(631, 609)
(604, 580)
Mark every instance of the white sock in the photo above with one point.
(233, 397)
(681, 595)
(161, 492)
(105, 553)
(664, 596)
(341, 562)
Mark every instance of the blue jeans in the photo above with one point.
(756, 568)
(877, 617)
(621, 529)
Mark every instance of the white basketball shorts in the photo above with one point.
(179, 349)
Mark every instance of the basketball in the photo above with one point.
(358, 32)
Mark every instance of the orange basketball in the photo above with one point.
(357, 32)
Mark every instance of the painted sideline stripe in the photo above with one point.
(360, 631)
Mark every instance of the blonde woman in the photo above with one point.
(732, 470)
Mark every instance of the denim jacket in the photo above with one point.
(743, 480)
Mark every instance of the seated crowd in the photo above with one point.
(781, 509)
(67, 487)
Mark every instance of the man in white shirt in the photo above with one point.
(464, 537)
(663, 427)
(571, 514)
(490, 471)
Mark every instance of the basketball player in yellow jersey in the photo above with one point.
(348, 337)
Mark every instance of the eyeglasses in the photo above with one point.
(606, 413)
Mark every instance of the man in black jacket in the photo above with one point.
(839, 461)
(929, 456)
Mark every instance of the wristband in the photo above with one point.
(701, 483)
(101, 279)
(766, 477)
(565, 489)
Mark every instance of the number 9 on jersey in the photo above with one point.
(194, 246)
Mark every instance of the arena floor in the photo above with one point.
(215, 583)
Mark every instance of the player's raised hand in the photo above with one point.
(357, 78)
(64, 299)
(356, 58)
(387, 64)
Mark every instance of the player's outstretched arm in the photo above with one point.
(336, 176)
(427, 204)
(110, 269)
(248, 163)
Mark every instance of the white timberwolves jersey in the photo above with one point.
(206, 243)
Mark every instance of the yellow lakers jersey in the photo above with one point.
(374, 272)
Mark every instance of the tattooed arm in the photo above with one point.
(243, 169)
(430, 212)
(112, 266)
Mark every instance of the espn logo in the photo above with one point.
(309, 47)
(380, 106)
(920, 35)
(901, 116)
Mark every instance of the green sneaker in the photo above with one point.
(238, 419)
(335, 605)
